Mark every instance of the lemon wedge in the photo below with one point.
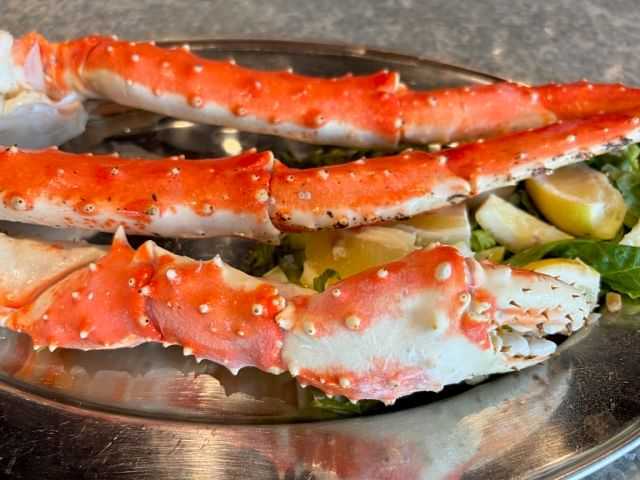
(580, 201)
(351, 251)
(514, 228)
(446, 225)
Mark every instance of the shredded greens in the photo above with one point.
(260, 259)
(521, 199)
(494, 254)
(292, 264)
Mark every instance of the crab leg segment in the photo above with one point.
(490, 110)
(248, 195)
(170, 197)
(509, 159)
(363, 192)
(346, 110)
(388, 188)
(83, 297)
(430, 319)
(217, 312)
(97, 306)
(30, 266)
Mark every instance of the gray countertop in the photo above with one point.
(529, 41)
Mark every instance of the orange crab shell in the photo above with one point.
(363, 192)
(420, 323)
(427, 292)
(362, 108)
(173, 197)
(216, 312)
(98, 306)
(368, 111)
(453, 114)
(506, 160)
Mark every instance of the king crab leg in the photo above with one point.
(255, 196)
(172, 197)
(486, 111)
(345, 110)
(430, 319)
(369, 111)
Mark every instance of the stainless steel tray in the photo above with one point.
(150, 411)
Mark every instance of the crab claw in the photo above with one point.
(431, 319)
(30, 118)
(525, 306)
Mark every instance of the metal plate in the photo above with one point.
(152, 412)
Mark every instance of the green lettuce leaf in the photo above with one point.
(619, 265)
(291, 262)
